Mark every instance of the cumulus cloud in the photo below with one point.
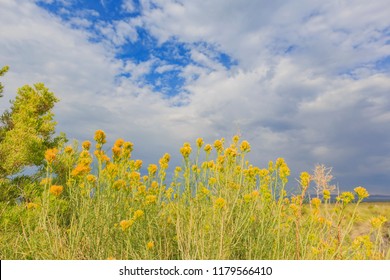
(301, 81)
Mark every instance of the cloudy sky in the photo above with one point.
(306, 80)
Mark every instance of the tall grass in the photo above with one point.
(219, 208)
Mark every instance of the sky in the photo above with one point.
(305, 80)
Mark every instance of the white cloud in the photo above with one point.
(128, 6)
(305, 86)
(117, 33)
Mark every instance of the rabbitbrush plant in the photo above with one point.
(93, 206)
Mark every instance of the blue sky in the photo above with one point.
(305, 80)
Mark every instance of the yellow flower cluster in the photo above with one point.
(138, 214)
(149, 199)
(138, 164)
(186, 150)
(284, 170)
(45, 181)
(119, 142)
(245, 146)
(32, 205)
(56, 190)
(50, 155)
(208, 148)
(219, 203)
(326, 194)
(83, 166)
(125, 224)
(316, 202)
(91, 178)
(218, 145)
(86, 145)
(68, 150)
(119, 184)
(100, 137)
(100, 155)
(150, 245)
(377, 222)
(164, 161)
(199, 142)
(152, 169)
(346, 197)
(361, 192)
(305, 180)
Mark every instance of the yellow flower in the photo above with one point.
(195, 168)
(154, 185)
(68, 149)
(245, 146)
(91, 178)
(111, 169)
(178, 169)
(32, 205)
(164, 161)
(315, 202)
(135, 176)
(186, 150)
(212, 181)
(284, 172)
(86, 145)
(345, 197)
(150, 245)
(326, 194)
(263, 173)
(141, 189)
(361, 192)
(377, 222)
(210, 164)
(50, 155)
(80, 169)
(138, 214)
(219, 203)
(116, 150)
(119, 142)
(208, 148)
(235, 139)
(279, 162)
(270, 166)
(100, 136)
(168, 193)
(152, 169)
(247, 198)
(305, 179)
(362, 241)
(138, 164)
(199, 142)
(56, 190)
(128, 146)
(149, 199)
(255, 194)
(205, 191)
(119, 184)
(125, 224)
(218, 145)
(294, 208)
(45, 181)
(231, 152)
